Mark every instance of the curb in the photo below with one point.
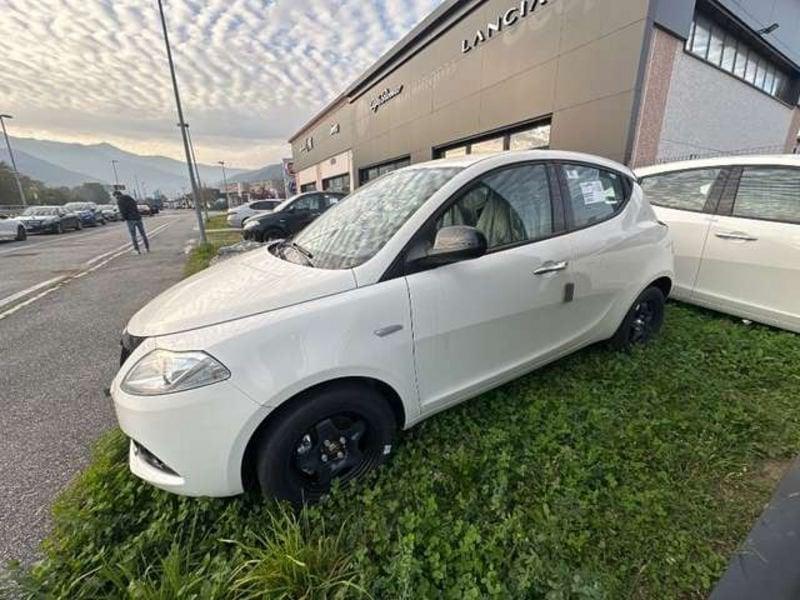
(766, 564)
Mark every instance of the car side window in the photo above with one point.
(771, 193)
(593, 195)
(683, 190)
(509, 206)
(307, 203)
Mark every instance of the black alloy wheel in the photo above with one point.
(643, 321)
(335, 434)
(22, 235)
(270, 235)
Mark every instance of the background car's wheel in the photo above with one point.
(272, 234)
(337, 433)
(60, 228)
(643, 321)
(78, 226)
(22, 235)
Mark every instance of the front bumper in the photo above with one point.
(190, 443)
(39, 227)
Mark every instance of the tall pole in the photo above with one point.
(203, 191)
(225, 181)
(13, 162)
(192, 180)
(116, 175)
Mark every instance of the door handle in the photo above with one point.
(735, 235)
(551, 267)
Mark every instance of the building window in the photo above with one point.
(528, 137)
(309, 187)
(375, 171)
(340, 183)
(712, 43)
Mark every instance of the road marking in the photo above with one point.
(58, 282)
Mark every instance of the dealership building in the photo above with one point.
(638, 81)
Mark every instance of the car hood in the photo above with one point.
(246, 285)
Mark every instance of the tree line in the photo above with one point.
(37, 192)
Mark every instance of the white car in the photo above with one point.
(736, 227)
(238, 215)
(295, 364)
(12, 229)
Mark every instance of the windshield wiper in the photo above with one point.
(302, 251)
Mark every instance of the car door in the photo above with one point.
(686, 201)
(480, 322)
(7, 227)
(301, 213)
(751, 263)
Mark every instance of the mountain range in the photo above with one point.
(70, 164)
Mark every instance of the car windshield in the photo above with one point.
(356, 228)
(41, 211)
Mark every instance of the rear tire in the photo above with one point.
(22, 235)
(60, 229)
(643, 321)
(338, 433)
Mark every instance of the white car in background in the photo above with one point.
(238, 214)
(294, 365)
(12, 229)
(735, 222)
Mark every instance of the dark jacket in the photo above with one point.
(127, 208)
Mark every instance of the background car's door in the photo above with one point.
(686, 201)
(8, 228)
(301, 213)
(751, 263)
(479, 322)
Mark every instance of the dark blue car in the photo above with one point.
(87, 212)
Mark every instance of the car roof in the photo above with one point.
(789, 160)
(512, 156)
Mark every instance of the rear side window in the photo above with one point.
(509, 206)
(593, 195)
(684, 190)
(771, 193)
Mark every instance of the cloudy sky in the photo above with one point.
(250, 71)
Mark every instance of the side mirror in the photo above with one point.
(454, 244)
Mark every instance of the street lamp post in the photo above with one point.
(192, 180)
(13, 162)
(116, 175)
(203, 193)
(225, 182)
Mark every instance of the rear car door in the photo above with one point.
(751, 263)
(686, 201)
(480, 322)
(606, 261)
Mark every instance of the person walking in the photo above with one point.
(130, 214)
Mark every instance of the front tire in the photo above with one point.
(78, 226)
(60, 228)
(271, 235)
(22, 235)
(643, 321)
(337, 433)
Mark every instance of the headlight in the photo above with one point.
(165, 372)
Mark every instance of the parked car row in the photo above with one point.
(426, 287)
(239, 214)
(56, 219)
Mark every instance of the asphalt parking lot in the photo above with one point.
(60, 350)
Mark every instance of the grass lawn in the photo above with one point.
(201, 256)
(217, 222)
(602, 476)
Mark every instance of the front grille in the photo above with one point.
(129, 343)
(151, 459)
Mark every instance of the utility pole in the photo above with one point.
(116, 175)
(203, 192)
(192, 180)
(225, 182)
(13, 162)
